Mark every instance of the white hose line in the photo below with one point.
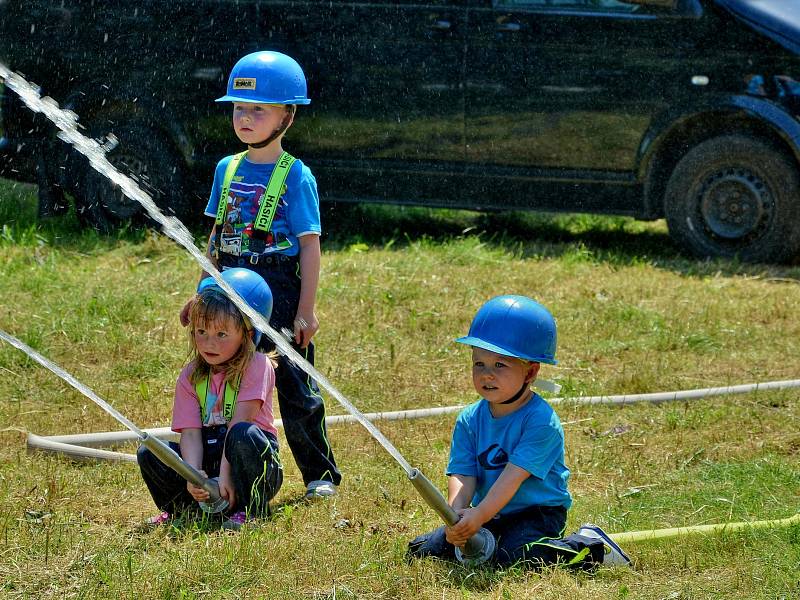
(657, 397)
(110, 438)
(36, 442)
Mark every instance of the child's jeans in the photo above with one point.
(532, 536)
(255, 469)
(301, 406)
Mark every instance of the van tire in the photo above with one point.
(149, 158)
(735, 196)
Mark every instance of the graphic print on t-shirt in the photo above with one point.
(213, 409)
(236, 235)
(493, 458)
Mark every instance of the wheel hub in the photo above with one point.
(735, 204)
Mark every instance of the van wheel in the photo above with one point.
(147, 157)
(735, 196)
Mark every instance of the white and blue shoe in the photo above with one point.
(320, 489)
(613, 555)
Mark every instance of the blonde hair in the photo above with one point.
(213, 306)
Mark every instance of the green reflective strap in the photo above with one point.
(230, 400)
(269, 202)
(230, 171)
(230, 392)
(579, 557)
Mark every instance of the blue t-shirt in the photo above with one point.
(530, 438)
(297, 213)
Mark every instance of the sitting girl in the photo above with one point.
(222, 408)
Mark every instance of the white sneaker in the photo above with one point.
(613, 555)
(320, 489)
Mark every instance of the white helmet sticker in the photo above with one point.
(547, 386)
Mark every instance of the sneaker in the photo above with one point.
(614, 555)
(235, 521)
(320, 489)
(157, 520)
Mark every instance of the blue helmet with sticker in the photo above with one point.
(266, 77)
(514, 326)
(250, 286)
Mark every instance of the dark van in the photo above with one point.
(684, 109)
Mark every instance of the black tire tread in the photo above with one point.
(781, 242)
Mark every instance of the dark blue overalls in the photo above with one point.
(299, 399)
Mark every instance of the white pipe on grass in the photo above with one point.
(109, 438)
(657, 397)
(36, 442)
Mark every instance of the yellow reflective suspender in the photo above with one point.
(275, 187)
(229, 392)
(230, 171)
(269, 202)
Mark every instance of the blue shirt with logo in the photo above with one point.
(530, 438)
(297, 213)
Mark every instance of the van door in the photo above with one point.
(562, 92)
(386, 118)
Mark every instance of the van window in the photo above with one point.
(593, 5)
(443, 3)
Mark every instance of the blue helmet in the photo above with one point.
(514, 326)
(266, 77)
(250, 286)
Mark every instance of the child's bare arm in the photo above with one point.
(305, 322)
(192, 453)
(460, 490)
(502, 491)
(192, 447)
(472, 519)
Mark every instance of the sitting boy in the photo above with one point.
(506, 470)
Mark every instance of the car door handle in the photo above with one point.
(508, 27)
(440, 25)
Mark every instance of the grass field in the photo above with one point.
(634, 315)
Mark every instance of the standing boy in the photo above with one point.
(506, 470)
(266, 211)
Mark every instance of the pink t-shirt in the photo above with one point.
(257, 384)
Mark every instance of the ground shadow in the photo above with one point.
(579, 237)
(590, 238)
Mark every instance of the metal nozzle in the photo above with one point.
(480, 547)
(169, 457)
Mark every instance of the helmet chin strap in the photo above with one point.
(518, 395)
(290, 108)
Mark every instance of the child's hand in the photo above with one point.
(470, 523)
(197, 492)
(305, 326)
(184, 316)
(226, 489)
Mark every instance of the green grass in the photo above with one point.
(634, 315)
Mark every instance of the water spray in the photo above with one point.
(95, 152)
(164, 452)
